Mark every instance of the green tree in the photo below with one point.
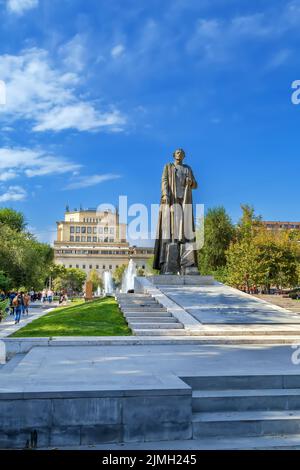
(218, 233)
(149, 266)
(13, 219)
(71, 281)
(23, 259)
(118, 274)
(96, 279)
(5, 282)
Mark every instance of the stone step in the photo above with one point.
(158, 332)
(150, 320)
(246, 400)
(246, 423)
(270, 331)
(149, 314)
(135, 325)
(242, 382)
(251, 339)
(143, 309)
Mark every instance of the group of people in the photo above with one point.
(19, 304)
(45, 296)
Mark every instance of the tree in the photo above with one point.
(5, 282)
(72, 280)
(96, 279)
(243, 268)
(149, 266)
(218, 233)
(13, 219)
(118, 274)
(23, 259)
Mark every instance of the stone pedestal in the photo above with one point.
(181, 280)
(88, 290)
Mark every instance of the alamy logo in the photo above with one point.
(2, 93)
(295, 98)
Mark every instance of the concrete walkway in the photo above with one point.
(36, 310)
(122, 368)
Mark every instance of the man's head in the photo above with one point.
(179, 155)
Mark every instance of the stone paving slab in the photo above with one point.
(109, 368)
(8, 326)
(220, 304)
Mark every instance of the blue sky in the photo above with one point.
(99, 94)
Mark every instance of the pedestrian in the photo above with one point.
(27, 298)
(44, 295)
(50, 296)
(11, 297)
(17, 302)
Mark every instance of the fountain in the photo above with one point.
(128, 277)
(98, 292)
(108, 283)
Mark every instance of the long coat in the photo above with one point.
(170, 227)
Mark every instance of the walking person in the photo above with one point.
(44, 295)
(27, 299)
(17, 302)
(11, 297)
(50, 296)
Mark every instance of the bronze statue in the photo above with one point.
(174, 251)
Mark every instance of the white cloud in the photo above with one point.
(87, 181)
(13, 193)
(49, 97)
(118, 50)
(74, 53)
(219, 39)
(80, 116)
(21, 161)
(20, 6)
(8, 175)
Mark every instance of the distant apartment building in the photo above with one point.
(87, 239)
(277, 225)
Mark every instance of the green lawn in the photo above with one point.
(97, 318)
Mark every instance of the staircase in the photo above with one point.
(146, 317)
(245, 407)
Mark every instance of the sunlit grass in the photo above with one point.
(97, 318)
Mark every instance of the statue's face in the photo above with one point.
(179, 155)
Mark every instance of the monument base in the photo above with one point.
(181, 280)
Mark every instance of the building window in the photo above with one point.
(83, 229)
(112, 230)
(83, 239)
(72, 229)
(110, 266)
(95, 239)
(77, 229)
(89, 239)
(78, 239)
(77, 266)
(91, 266)
(111, 240)
(101, 240)
(71, 238)
(89, 230)
(105, 229)
(97, 266)
(100, 229)
(103, 267)
(70, 266)
(83, 266)
(94, 229)
(143, 266)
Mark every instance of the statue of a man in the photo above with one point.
(174, 246)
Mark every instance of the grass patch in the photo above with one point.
(97, 318)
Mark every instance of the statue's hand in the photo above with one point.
(189, 182)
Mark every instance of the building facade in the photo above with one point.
(88, 239)
(277, 225)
